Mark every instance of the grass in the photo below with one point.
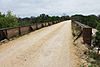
(93, 59)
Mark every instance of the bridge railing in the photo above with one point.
(81, 30)
(8, 33)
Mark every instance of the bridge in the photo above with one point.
(51, 46)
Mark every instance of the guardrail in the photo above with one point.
(81, 30)
(8, 33)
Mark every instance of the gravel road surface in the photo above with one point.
(48, 47)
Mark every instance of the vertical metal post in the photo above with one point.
(19, 31)
(87, 35)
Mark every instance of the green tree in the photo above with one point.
(8, 20)
(11, 19)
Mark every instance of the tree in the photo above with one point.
(8, 20)
(11, 19)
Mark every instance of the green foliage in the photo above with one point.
(98, 27)
(94, 55)
(24, 23)
(46, 18)
(96, 58)
(97, 40)
(8, 20)
(90, 20)
(97, 37)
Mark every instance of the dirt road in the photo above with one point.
(47, 47)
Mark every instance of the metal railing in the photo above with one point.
(81, 30)
(8, 33)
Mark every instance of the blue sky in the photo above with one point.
(25, 8)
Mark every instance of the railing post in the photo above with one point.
(87, 35)
(30, 28)
(19, 31)
(6, 34)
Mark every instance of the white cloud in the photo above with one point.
(52, 7)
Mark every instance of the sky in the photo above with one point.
(27, 8)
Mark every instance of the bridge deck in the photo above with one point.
(47, 47)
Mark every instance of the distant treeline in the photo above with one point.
(90, 20)
(10, 20)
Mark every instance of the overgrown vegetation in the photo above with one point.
(10, 20)
(93, 59)
(90, 20)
